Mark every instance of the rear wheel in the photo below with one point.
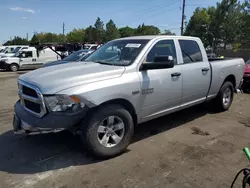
(14, 67)
(225, 96)
(108, 132)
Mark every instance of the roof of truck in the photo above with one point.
(150, 37)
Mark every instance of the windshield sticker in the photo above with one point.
(133, 45)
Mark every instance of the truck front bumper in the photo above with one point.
(4, 65)
(26, 123)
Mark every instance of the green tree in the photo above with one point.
(34, 40)
(199, 25)
(99, 32)
(90, 34)
(227, 23)
(168, 32)
(17, 41)
(126, 31)
(147, 30)
(229, 14)
(111, 31)
(76, 35)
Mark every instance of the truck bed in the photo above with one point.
(221, 68)
(219, 59)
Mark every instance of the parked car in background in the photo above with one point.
(12, 50)
(29, 58)
(126, 82)
(90, 46)
(246, 82)
(79, 55)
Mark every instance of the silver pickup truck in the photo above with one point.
(125, 82)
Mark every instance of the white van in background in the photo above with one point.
(10, 51)
(29, 58)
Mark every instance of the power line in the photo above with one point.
(159, 6)
(196, 5)
(183, 16)
(163, 6)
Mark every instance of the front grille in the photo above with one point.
(30, 92)
(31, 99)
(32, 106)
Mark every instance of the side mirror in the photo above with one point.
(160, 62)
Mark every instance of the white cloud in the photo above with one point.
(24, 18)
(22, 9)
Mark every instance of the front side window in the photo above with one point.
(191, 52)
(118, 52)
(26, 54)
(162, 48)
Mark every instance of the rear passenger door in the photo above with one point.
(196, 73)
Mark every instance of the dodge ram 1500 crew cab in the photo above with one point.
(125, 82)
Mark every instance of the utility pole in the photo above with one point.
(183, 16)
(63, 28)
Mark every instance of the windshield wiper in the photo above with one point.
(104, 63)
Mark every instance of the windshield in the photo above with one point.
(9, 50)
(118, 52)
(248, 62)
(16, 50)
(74, 56)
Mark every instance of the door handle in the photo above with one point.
(205, 69)
(175, 74)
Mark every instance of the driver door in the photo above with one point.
(161, 89)
(26, 59)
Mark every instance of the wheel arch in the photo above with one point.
(230, 78)
(124, 103)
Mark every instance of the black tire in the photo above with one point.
(14, 67)
(89, 131)
(220, 106)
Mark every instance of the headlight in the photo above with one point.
(64, 103)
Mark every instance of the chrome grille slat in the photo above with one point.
(39, 100)
(32, 99)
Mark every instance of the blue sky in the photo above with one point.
(19, 17)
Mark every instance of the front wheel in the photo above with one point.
(14, 67)
(224, 98)
(108, 132)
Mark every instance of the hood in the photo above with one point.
(247, 68)
(8, 55)
(53, 79)
(10, 58)
(55, 63)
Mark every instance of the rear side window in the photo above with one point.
(191, 52)
(162, 48)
